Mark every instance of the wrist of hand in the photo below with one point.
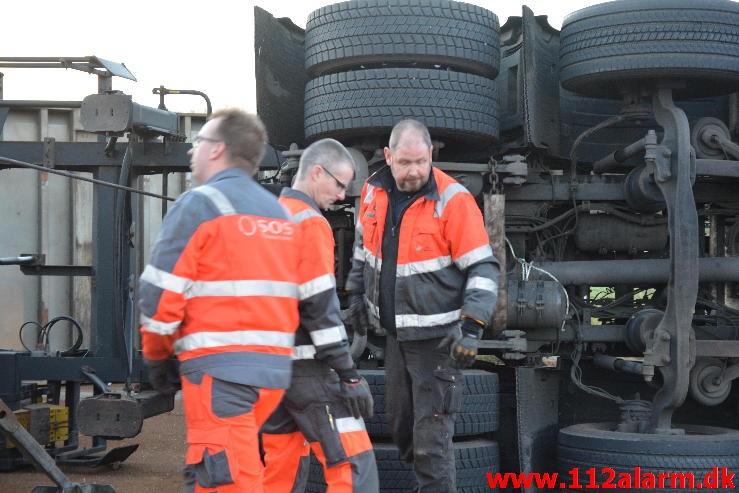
(349, 375)
(471, 328)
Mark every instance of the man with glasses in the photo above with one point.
(423, 265)
(327, 399)
(221, 293)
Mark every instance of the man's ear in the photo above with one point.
(314, 172)
(388, 155)
(217, 150)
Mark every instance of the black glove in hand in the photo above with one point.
(164, 375)
(357, 397)
(462, 343)
(356, 314)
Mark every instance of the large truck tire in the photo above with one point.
(480, 404)
(624, 44)
(349, 35)
(474, 459)
(450, 104)
(599, 446)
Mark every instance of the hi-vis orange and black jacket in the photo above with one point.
(321, 340)
(221, 289)
(445, 267)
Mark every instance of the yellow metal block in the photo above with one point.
(58, 422)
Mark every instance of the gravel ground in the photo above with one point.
(155, 467)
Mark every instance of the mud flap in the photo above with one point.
(536, 419)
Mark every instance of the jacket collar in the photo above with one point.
(383, 178)
(291, 193)
(233, 172)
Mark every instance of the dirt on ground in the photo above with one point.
(155, 467)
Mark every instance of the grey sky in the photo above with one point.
(207, 46)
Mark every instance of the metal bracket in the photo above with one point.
(49, 158)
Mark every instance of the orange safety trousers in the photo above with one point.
(288, 458)
(223, 451)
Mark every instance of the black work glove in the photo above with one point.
(356, 313)
(356, 394)
(462, 343)
(164, 375)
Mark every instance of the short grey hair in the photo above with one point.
(405, 126)
(328, 153)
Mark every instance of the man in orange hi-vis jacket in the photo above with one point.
(424, 268)
(327, 398)
(221, 293)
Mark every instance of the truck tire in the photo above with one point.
(480, 404)
(615, 45)
(451, 104)
(473, 460)
(349, 35)
(597, 445)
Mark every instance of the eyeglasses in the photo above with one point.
(199, 138)
(341, 186)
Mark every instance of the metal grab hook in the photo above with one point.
(163, 91)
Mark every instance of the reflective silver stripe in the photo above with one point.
(473, 256)
(373, 309)
(317, 285)
(416, 320)
(346, 425)
(303, 215)
(201, 340)
(304, 352)
(432, 265)
(165, 280)
(482, 283)
(359, 228)
(331, 335)
(359, 253)
(243, 288)
(370, 194)
(450, 192)
(221, 202)
(369, 257)
(157, 327)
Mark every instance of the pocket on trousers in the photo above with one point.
(451, 391)
(207, 461)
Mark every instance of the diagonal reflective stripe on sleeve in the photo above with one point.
(278, 289)
(331, 335)
(482, 283)
(202, 340)
(307, 351)
(347, 425)
(370, 194)
(218, 199)
(157, 327)
(450, 192)
(473, 256)
(416, 320)
(424, 266)
(317, 285)
(165, 280)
